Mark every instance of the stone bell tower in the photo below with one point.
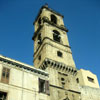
(51, 44)
(52, 53)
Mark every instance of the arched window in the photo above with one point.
(56, 36)
(53, 19)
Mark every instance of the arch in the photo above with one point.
(56, 36)
(53, 19)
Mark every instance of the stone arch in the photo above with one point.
(53, 19)
(56, 36)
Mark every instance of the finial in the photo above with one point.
(46, 4)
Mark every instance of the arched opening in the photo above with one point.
(56, 36)
(53, 19)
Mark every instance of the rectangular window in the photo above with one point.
(5, 75)
(3, 95)
(44, 86)
(39, 57)
(59, 53)
(39, 39)
(90, 79)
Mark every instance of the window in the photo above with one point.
(3, 95)
(56, 36)
(62, 79)
(90, 79)
(39, 39)
(54, 19)
(39, 21)
(77, 80)
(44, 86)
(59, 53)
(39, 57)
(5, 75)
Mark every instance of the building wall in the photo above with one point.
(23, 84)
(83, 76)
(89, 93)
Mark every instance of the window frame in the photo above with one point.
(45, 86)
(5, 78)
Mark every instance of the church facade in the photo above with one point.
(54, 75)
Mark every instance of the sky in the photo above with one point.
(81, 17)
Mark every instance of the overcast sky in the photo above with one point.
(81, 17)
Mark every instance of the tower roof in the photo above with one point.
(46, 7)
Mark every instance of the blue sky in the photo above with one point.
(81, 17)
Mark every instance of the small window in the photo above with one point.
(39, 39)
(59, 53)
(62, 79)
(90, 79)
(5, 75)
(39, 57)
(77, 80)
(44, 86)
(54, 19)
(39, 21)
(56, 36)
(3, 95)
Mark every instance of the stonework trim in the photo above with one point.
(26, 67)
(58, 66)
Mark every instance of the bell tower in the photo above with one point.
(50, 40)
(52, 53)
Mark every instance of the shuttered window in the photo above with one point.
(5, 75)
(44, 86)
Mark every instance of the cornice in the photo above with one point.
(58, 66)
(22, 65)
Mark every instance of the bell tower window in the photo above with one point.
(59, 54)
(39, 39)
(39, 21)
(56, 36)
(54, 19)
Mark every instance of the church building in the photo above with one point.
(54, 75)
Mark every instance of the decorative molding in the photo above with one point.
(51, 45)
(22, 65)
(45, 19)
(58, 66)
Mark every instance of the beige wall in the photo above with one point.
(83, 78)
(23, 84)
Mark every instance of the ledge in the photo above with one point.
(22, 65)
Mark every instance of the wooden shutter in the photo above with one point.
(5, 75)
(47, 87)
